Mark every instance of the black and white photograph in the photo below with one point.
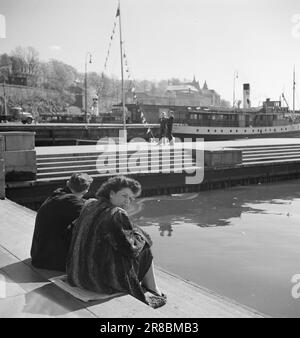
(149, 161)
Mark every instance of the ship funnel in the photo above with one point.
(246, 96)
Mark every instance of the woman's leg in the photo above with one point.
(149, 280)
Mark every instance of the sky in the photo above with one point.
(208, 39)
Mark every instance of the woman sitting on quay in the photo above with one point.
(110, 254)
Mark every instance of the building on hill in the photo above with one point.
(195, 84)
(177, 98)
(192, 91)
(182, 94)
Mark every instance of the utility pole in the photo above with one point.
(85, 85)
(4, 98)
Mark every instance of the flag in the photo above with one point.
(118, 11)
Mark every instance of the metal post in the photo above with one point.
(122, 77)
(85, 85)
(4, 98)
(85, 92)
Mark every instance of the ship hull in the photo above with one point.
(219, 133)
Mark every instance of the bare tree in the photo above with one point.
(25, 62)
(32, 60)
(5, 67)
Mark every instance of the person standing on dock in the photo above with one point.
(53, 224)
(170, 121)
(163, 128)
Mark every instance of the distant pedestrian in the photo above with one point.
(170, 121)
(53, 224)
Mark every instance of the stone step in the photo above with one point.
(66, 163)
(271, 149)
(66, 168)
(263, 158)
(142, 166)
(96, 153)
(271, 161)
(271, 153)
(125, 167)
(62, 175)
(94, 158)
(121, 160)
(66, 158)
(268, 146)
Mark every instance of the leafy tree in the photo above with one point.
(59, 75)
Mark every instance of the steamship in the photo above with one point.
(215, 123)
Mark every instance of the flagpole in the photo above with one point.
(122, 74)
(294, 87)
(234, 80)
(233, 99)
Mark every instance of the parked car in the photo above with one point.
(17, 114)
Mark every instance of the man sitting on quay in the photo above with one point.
(53, 224)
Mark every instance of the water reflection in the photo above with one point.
(215, 208)
(242, 242)
(165, 227)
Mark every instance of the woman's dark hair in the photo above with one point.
(116, 184)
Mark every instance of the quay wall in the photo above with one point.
(18, 155)
(22, 93)
(51, 134)
(32, 194)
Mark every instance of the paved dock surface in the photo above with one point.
(29, 293)
(207, 145)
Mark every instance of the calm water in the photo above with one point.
(243, 242)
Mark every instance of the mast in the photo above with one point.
(235, 76)
(294, 89)
(122, 74)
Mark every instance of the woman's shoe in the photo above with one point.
(163, 295)
(156, 301)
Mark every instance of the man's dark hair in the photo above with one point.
(79, 182)
(116, 184)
